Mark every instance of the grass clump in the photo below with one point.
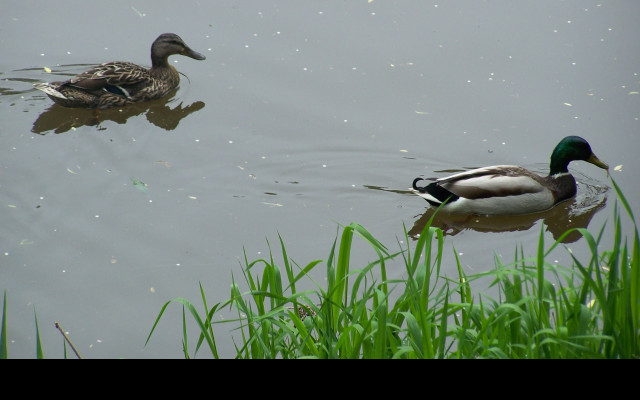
(589, 310)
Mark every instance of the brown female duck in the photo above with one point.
(118, 83)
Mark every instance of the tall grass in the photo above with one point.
(589, 310)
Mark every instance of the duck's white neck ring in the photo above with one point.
(560, 175)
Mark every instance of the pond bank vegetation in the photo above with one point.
(590, 309)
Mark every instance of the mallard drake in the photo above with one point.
(510, 189)
(118, 83)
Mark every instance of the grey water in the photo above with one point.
(304, 117)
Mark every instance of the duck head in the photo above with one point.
(573, 148)
(169, 44)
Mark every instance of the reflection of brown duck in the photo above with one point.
(60, 119)
(575, 213)
(120, 83)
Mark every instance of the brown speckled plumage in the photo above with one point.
(118, 83)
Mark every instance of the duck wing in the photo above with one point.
(117, 74)
(493, 181)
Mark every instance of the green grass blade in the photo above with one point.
(623, 199)
(380, 345)
(39, 351)
(164, 307)
(185, 337)
(4, 354)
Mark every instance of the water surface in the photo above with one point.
(304, 116)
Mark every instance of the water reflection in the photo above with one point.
(574, 213)
(159, 112)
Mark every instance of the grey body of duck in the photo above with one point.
(510, 189)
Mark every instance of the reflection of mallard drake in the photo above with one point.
(119, 83)
(509, 189)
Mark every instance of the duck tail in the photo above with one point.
(433, 193)
(50, 90)
(423, 189)
(415, 186)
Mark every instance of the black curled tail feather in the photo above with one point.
(415, 187)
